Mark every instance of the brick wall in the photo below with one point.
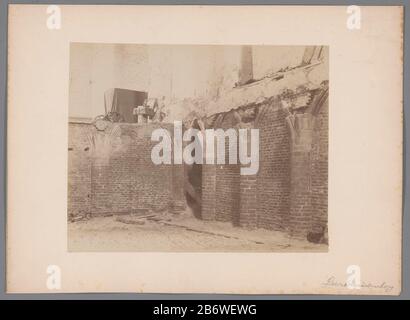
(248, 202)
(227, 183)
(261, 200)
(227, 193)
(319, 170)
(300, 211)
(121, 175)
(209, 196)
(273, 185)
(79, 169)
(290, 190)
(288, 193)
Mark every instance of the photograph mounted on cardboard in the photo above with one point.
(198, 148)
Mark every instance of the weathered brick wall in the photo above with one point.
(79, 169)
(309, 176)
(273, 185)
(290, 190)
(123, 178)
(208, 205)
(319, 169)
(288, 193)
(260, 200)
(300, 211)
(227, 193)
(248, 202)
(227, 184)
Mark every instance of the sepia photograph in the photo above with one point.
(203, 149)
(198, 148)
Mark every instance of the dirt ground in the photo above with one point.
(175, 233)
